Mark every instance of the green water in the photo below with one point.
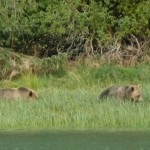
(75, 140)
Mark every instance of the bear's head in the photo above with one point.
(136, 94)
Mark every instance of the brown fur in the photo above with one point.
(17, 93)
(130, 92)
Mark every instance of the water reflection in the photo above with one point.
(75, 140)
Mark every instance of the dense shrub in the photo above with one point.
(46, 27)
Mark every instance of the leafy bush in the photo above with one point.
(44, 28)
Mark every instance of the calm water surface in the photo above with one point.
(75, 140)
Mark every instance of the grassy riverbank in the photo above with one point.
(69, 100)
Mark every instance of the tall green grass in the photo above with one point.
(71, 101)
(60, 108)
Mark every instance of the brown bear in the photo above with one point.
(129, 92)
(17, 93)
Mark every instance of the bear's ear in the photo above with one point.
(139, 85)
(30, 93)
(132, 88)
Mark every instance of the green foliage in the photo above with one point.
(66, 25)
(134, 18)
(14, 20)
(50, 65)
(14, 65)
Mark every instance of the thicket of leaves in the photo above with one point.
(47, 27)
